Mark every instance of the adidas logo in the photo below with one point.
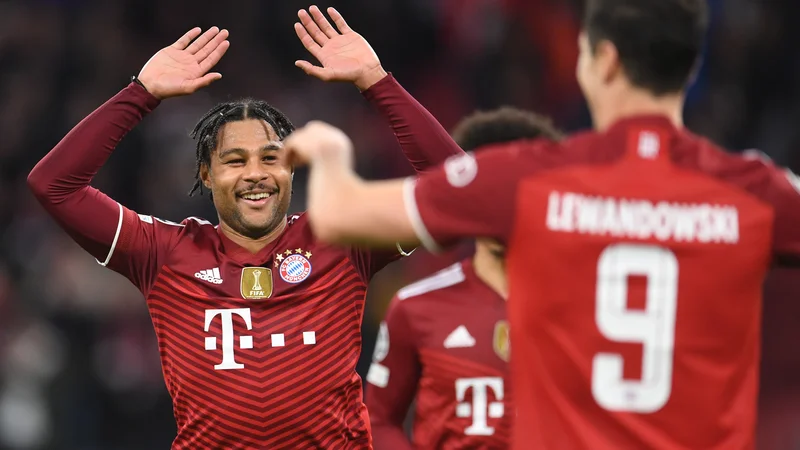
(210, 275)
(459, 338)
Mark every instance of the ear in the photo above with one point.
(607, 60)
(205, 175)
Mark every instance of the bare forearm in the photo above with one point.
(345, 209)
(422, 138)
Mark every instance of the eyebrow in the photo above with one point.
(267, 148)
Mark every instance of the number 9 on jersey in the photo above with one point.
(653, 327)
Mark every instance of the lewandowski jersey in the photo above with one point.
(636, 258)
(444, 345)
(258, 350)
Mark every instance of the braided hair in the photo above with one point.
(207, 129)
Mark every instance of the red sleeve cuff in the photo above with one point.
(142, 98)
(386, 83)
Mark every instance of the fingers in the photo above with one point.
(311, 27)
(187, 38)
(315, 71)
(211, 45)
(338, 20)
(296, 157)
(204, 39)
(322, 22)
(317, 141)
(308, 42)
(204, 81)
(213, 58)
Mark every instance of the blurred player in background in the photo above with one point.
(258, 323)
(636, 252)
(444, 344)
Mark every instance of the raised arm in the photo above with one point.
(467, 197)
(392, 378)
(346, 56)
(61, 180)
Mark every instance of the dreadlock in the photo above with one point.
(207, 129)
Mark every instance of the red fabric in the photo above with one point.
(561, 209)
(292, 391)
(425, 355)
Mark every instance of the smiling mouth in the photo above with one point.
(259, 196)
(256, 199)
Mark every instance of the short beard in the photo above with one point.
(237, 222)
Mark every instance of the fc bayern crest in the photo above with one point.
(295, 267)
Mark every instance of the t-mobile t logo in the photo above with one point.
(479, 409)
(245, 342)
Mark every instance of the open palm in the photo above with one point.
(344, 54)
(183, 67)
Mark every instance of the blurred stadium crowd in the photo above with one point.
(80, 366)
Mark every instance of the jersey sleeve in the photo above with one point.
(141, 247)
(469, 196)
(392, 379)
(111, 233)
(369, 261)
(783, 192)
(424, 142)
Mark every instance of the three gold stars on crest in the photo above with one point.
(299, 251)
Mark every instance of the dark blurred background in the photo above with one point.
(79, 366)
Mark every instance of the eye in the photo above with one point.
(270, 158)
(234, 162)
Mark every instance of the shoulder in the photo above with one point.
(544, 154)
(442, 280)
(190, 229)
(297, 219)
(752, 169)
(298, 231)
(297, 226)
(189, 225)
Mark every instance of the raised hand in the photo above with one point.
(344, 54)
(183, 67)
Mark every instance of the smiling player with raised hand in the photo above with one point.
(258, 323)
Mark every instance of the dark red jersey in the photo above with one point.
(636, 258)
(258, 350)
(444, 346)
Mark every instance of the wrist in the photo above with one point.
(145, 84)
(135, 79)
(370, 77)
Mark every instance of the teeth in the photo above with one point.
(256, 196)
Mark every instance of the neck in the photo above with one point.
(637, 102)
(490, 269)
(253, 245)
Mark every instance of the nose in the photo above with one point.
(254, 171)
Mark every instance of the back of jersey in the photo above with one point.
(636, 265)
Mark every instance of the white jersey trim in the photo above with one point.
(403, 252)
(200, 220)
(412, 210)
(446, 277)
(114, 242)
